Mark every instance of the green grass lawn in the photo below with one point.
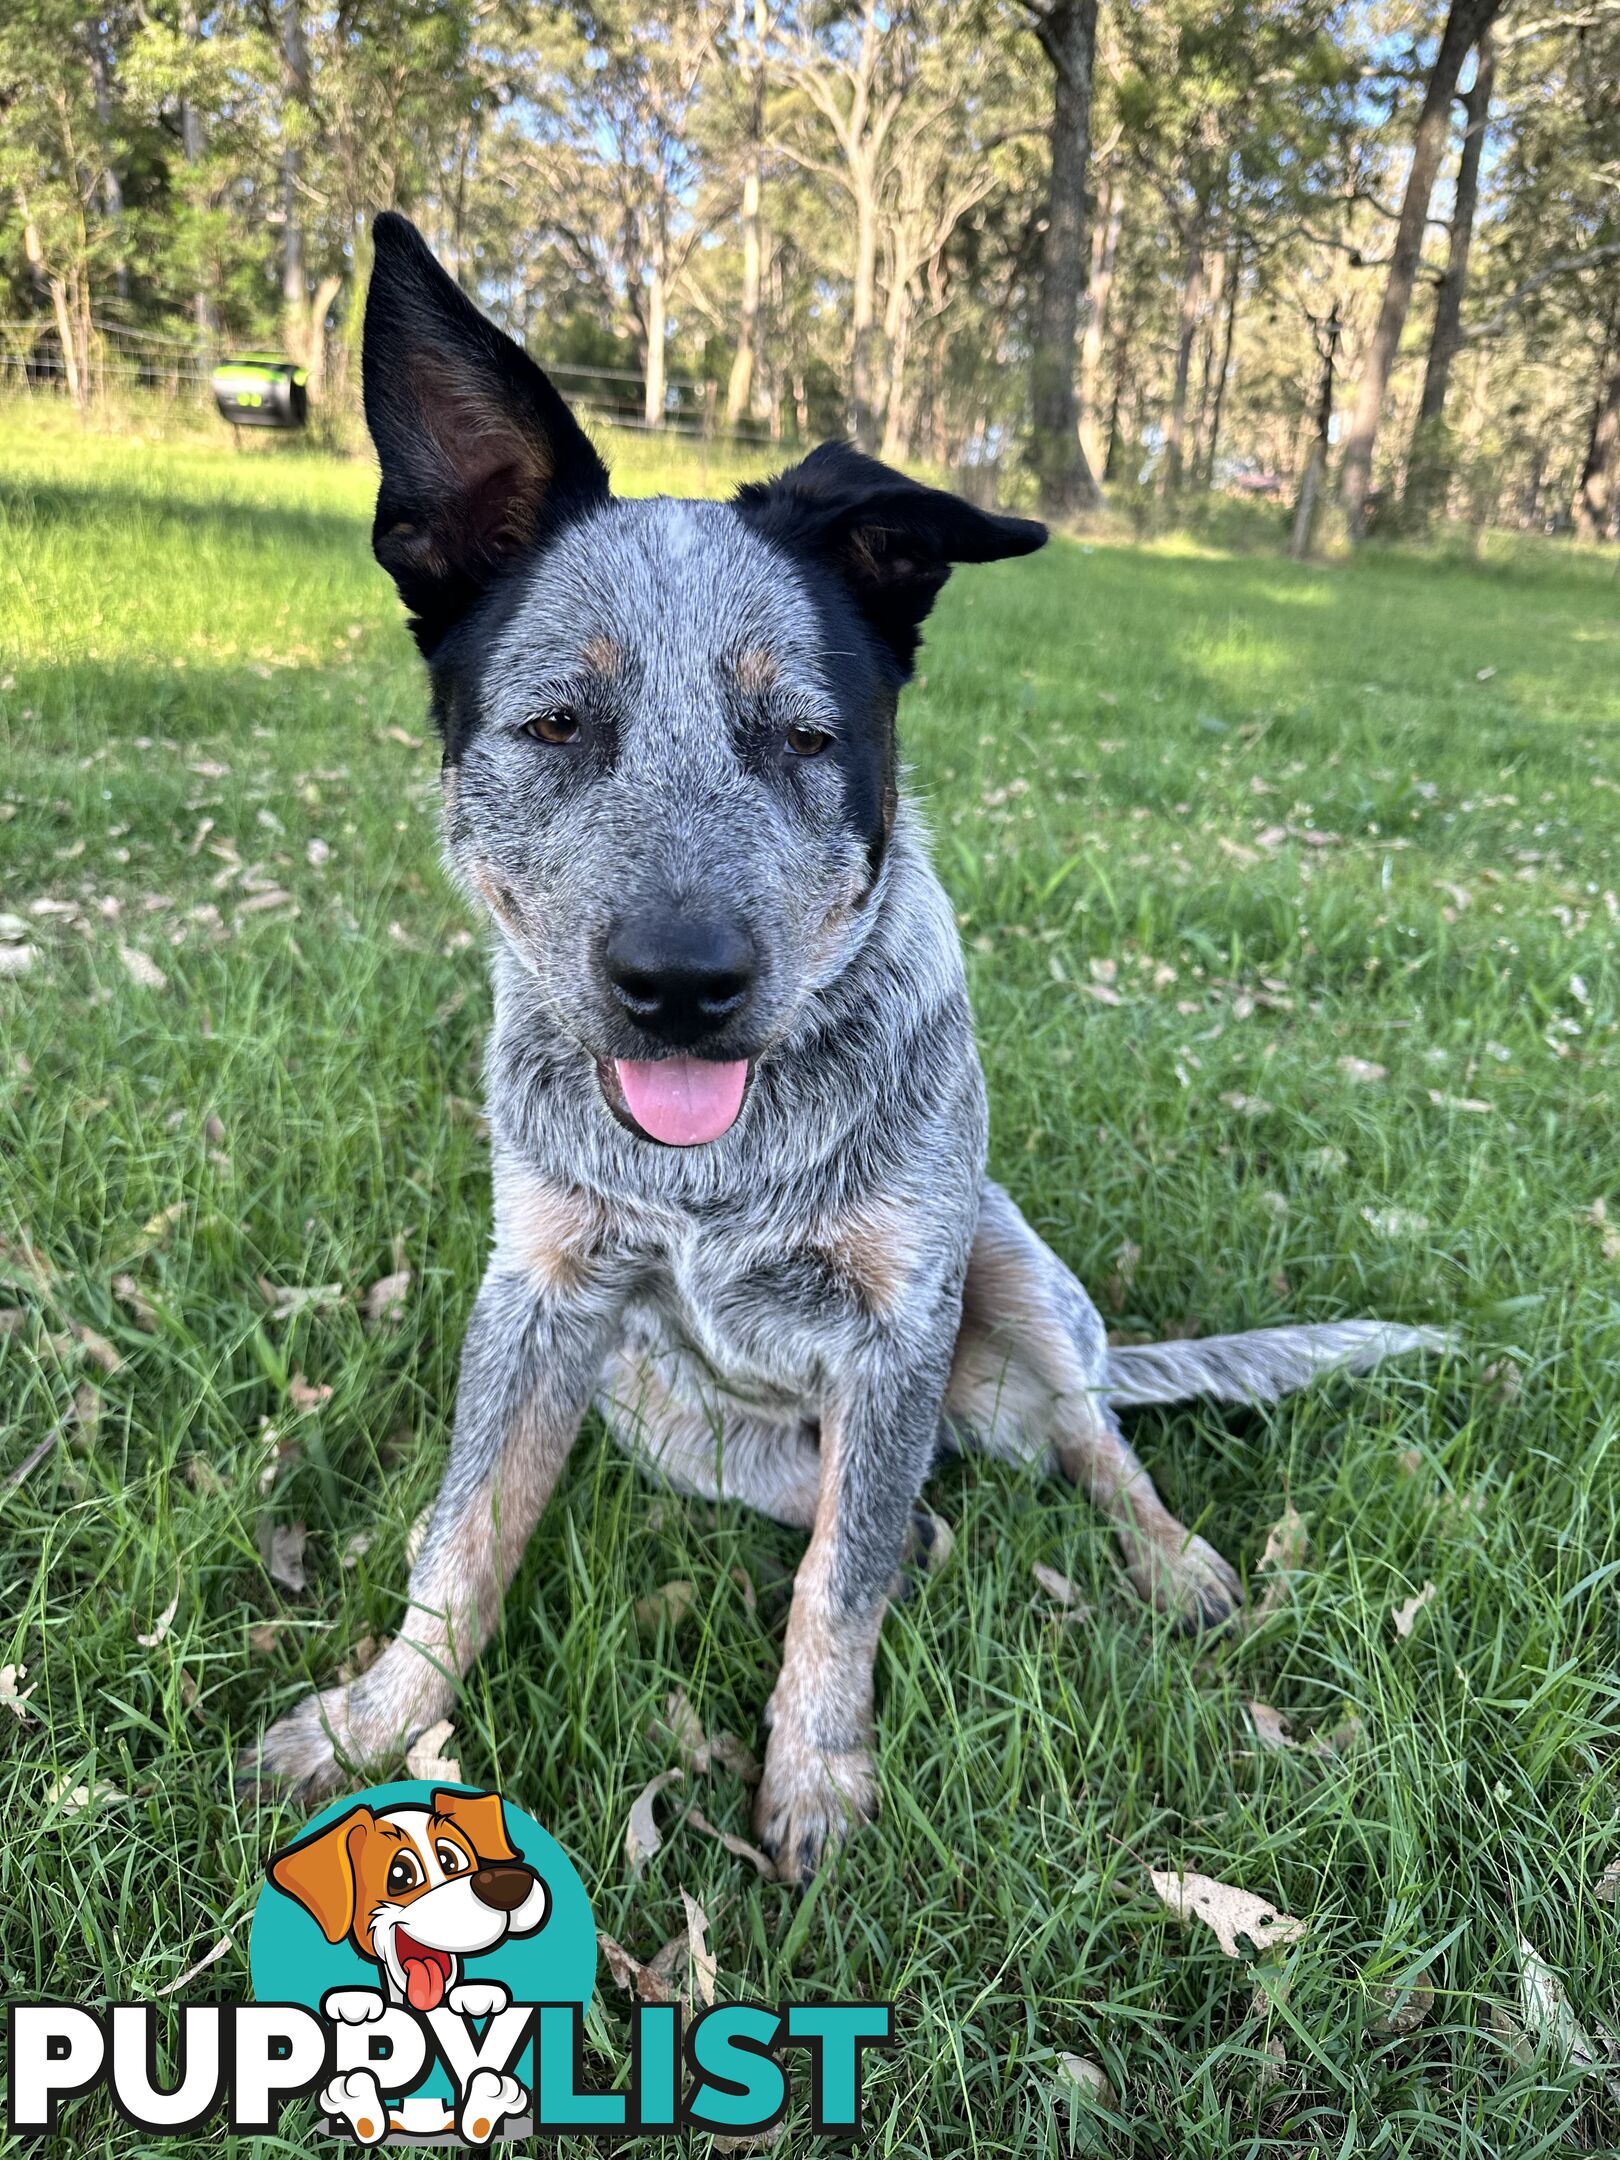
(1289, 898)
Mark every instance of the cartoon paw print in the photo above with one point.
(487, 2102)
(356, 2099)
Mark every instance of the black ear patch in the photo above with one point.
(480, 457)
(892, 541)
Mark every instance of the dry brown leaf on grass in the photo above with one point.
(13, 1696)
(642, 1981)
(164, 1620)
(1607, 1886)
(1547, 2019)
(287, 1300)
(306, 1395)
(671, 1601)
(1348, 1734)
(96, 1347)
(384, 1302)
(704, 1965)
(642, 1836)
(753, 2141)
(129, 1292)
(700, 1751)
(220, 1949)
(1092, 2079)
(1403, 2010)
(141, 970)
(77, 1799)
(1270, 1727)
(286, 1562)
(1287, 1542)
(683, 1968)
(426, 1757)
(364, 1654)
(1403, 1616)
(1062, 1590)
(733, 1844)
(1229, 1911)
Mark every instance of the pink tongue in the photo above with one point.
(683, 1101)
(424, 1983)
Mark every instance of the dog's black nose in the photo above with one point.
(504, 1888)
(679, 976)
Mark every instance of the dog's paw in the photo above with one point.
(809, 1798)
(353, 2006)
(356, 2099)
(489, 2100)
(1187, 1581)
(297, 1759)
(478, 1998)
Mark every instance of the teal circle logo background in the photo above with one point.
(291, 1961)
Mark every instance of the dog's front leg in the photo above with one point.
(878, 1436)
(528, 1366)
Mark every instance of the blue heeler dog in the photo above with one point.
(737, 1119)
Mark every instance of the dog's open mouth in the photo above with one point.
(679, 1101)
(427, 1971)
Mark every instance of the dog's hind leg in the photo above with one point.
(1030, 1381)
(528, 1366)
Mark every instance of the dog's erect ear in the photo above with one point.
(321, 1872)
(480, 457)
(481, 1820)
(890, 539)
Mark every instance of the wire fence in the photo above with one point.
(115, 358)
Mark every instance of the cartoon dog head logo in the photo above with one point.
(420, 1922)
(417, 1890)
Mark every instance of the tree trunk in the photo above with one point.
(1465, 25)
(1598, 495)
(657, 336)
(1234, 276)
(1091, 345)
(112, 186)
(1214, 318)
(745, 361)
(863, 317)
(1310, 487)
(191, 144)
(320, 307)
(1068, 35)
(294, 91)
(897, 324)
(1428, 469)
(1192, 305)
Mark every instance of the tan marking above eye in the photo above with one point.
(602, 655)
(755, 669)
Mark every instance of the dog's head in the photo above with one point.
(417, 1889)
(668, 726)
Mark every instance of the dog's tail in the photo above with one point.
(1260, 1366)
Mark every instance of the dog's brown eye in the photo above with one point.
(404, 1874)
(807, 741)
(553, 727)
(450, 1857)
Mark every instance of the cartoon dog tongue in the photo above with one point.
(683, 1101)
(424, 1982)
